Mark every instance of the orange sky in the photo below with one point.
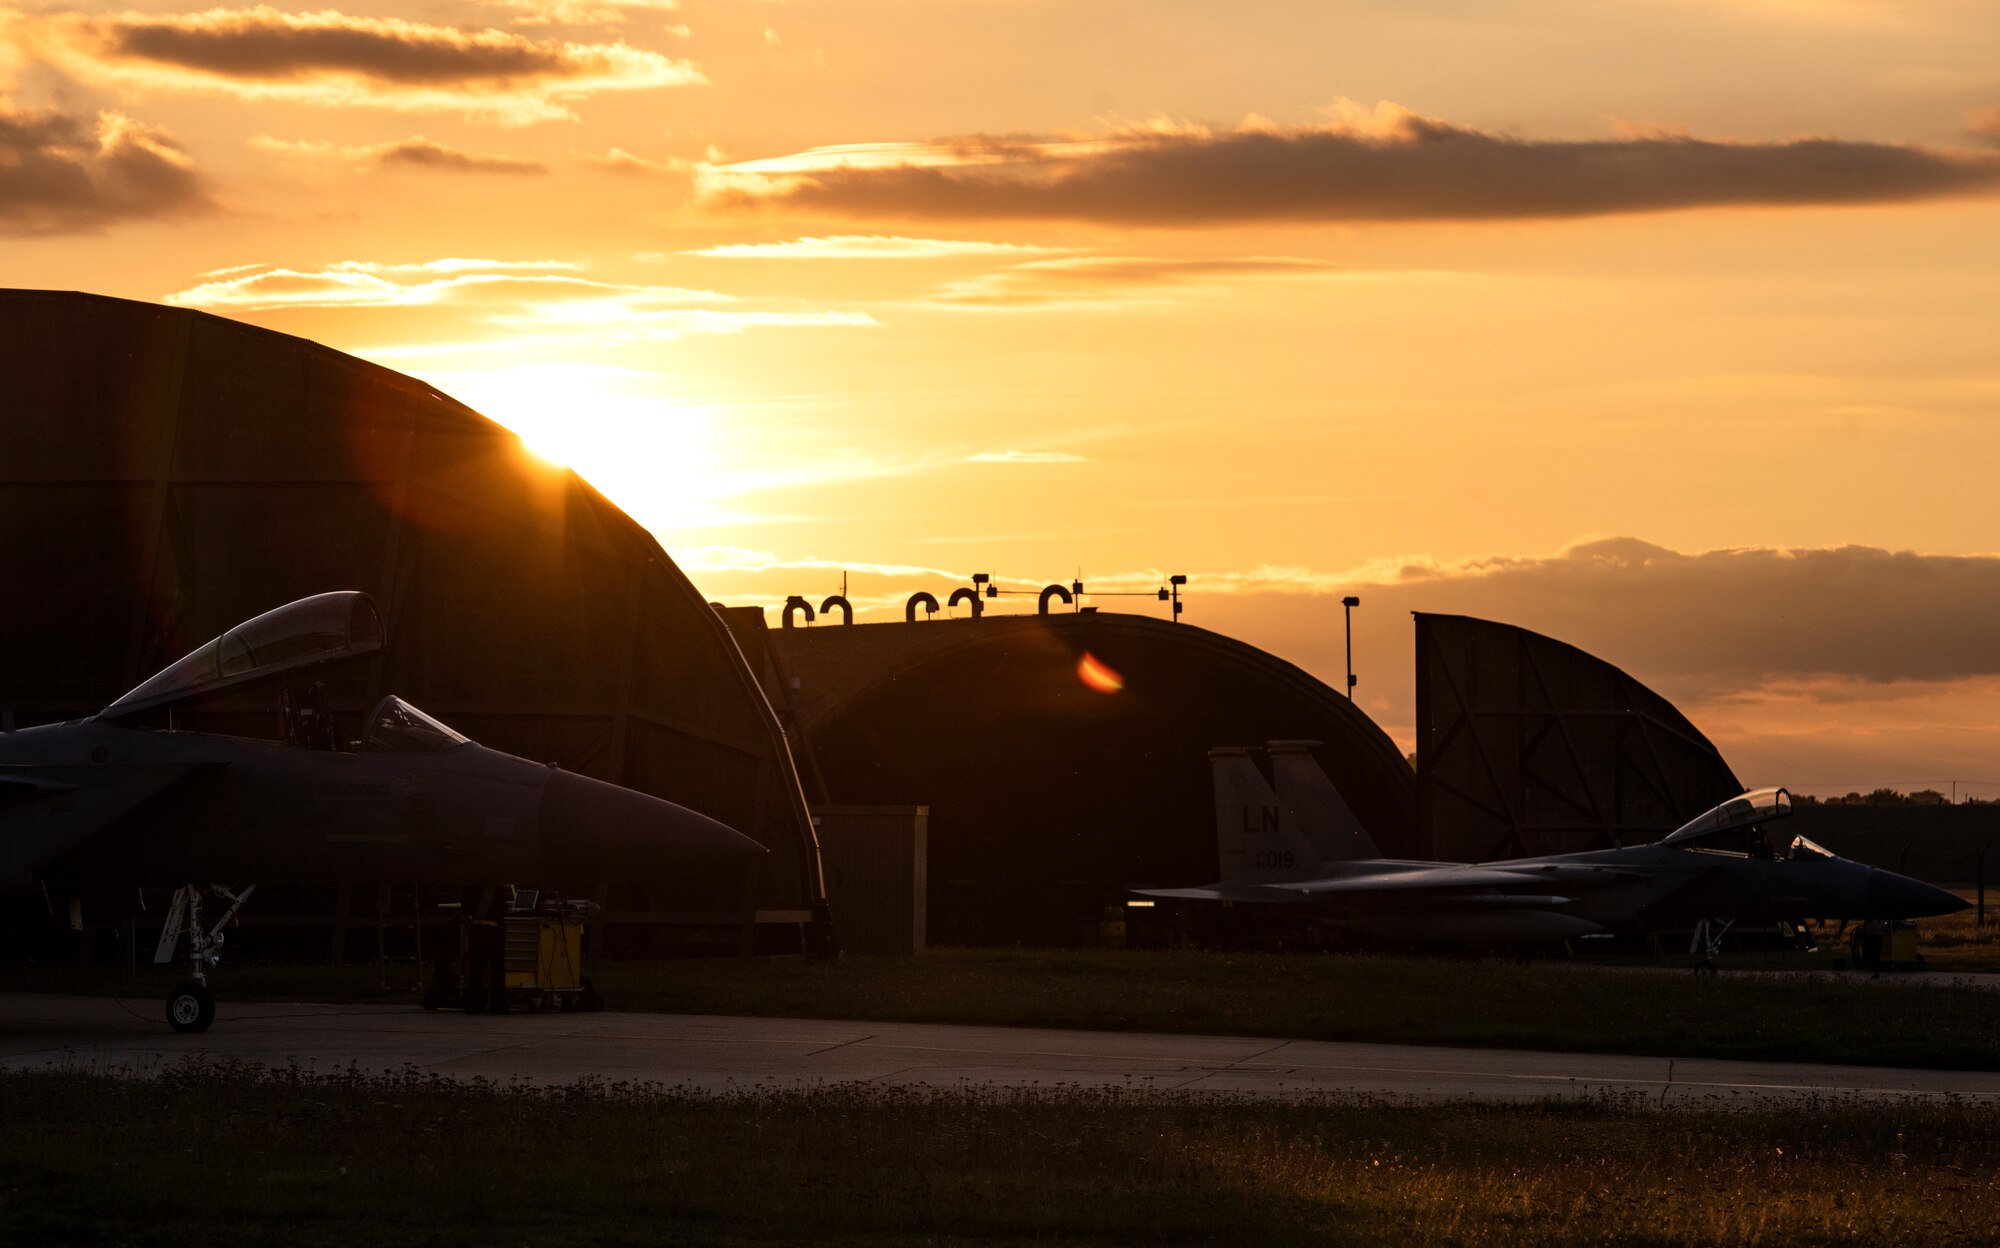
(1423, 301)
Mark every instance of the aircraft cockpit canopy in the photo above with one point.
(1806, 847)
(1738, 826)
(394, 726)
(300, 636)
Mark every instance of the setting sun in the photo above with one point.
(654, 454)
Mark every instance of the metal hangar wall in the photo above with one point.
(1527, 745)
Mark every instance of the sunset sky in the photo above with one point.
(1666, 327)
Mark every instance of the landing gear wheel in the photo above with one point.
(190, 1008)
(1704, 967)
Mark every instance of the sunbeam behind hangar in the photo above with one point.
(168, 474)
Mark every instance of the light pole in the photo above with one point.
(1347, 606)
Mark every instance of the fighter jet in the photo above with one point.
(128, 798)
(1301, 846)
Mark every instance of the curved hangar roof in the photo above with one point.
(1527, 745)
(1048, 797)
(166, 475)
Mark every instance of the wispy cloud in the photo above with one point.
(578, 12)
(61, 173)
(1384, 164)
(340, 60)
(870, 247)
(362, 283)
(1089, 280)
(416, 152)
(618, 160)
(1024, 457)
(506, 306)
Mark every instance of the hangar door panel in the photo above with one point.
(1527, 745)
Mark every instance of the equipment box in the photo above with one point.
(544, 953)
(524, 954)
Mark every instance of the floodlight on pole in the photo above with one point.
(1347, 606)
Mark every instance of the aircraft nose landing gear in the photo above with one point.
(1707, 942)
(190, 1006)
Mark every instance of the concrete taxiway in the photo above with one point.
(716, 1054)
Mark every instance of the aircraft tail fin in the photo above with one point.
(1316, 808)
(1256, 841)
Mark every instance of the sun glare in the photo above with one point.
(655, 457)
(1098, 675)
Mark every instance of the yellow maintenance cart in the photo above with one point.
(516, 949)
(1885, 945)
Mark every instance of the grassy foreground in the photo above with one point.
(1545, 1005)
(207, 1155)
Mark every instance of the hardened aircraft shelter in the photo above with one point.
(1051, 792)
(1527, 745)
(167, 474)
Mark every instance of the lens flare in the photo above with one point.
(1095, 673)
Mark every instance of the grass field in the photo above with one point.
(1955, 942)
(1548, 1005)
(208, 1155)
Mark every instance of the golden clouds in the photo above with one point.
(869, 247)
(335, 59)
(1090, 281)
(1385, 164)
(361, 283)
(618, 160)
(61, 173)
(505, 307)
(580, 12)
(416, 152)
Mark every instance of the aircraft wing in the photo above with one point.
(46, 812)
(21, 784)
(1223, 892)
(1473, 879)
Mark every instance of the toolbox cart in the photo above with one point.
(516, 949)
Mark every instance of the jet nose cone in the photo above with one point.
(1892, 896)
(593, 830)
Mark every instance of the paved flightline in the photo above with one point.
(713, 1053)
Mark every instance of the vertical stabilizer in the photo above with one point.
(1315, 808)
(1254, 840)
